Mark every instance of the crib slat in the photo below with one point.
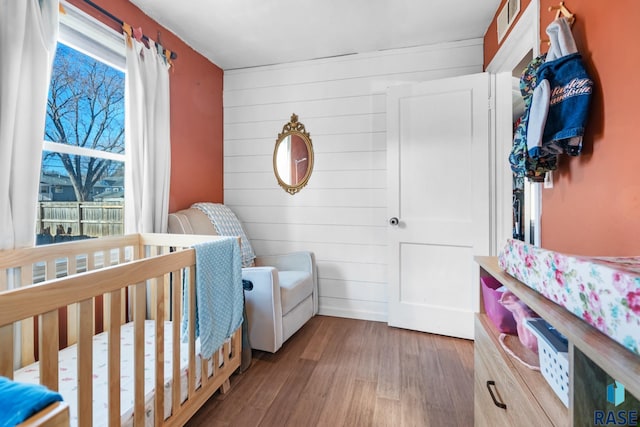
(204, 371)
(167, 296)
(72, 265)
(6, 351)
(138, 352)
(236, 341)
(48, 349)
(226, 363)
(85, 362)
(158, 284)
(3, 280)
(192, 332)
(91, 261)
(72, 325)
(26, 276)
(153, 302)
(226, 352)
(216, 362)
(51, 269)
(177, 322)
(123, 309)
(115, 302)
(138, 251)
(121, 254)
(27, 338)
(27, 325)
(123, 292)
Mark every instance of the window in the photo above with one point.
(84, 130)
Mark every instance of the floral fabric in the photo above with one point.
(604, 292)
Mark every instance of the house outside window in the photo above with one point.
(83, 151)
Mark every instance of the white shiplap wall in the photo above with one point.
(341, 215)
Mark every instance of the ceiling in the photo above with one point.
(248, 33)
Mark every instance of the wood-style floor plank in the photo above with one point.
(346, 372)
(387, 412)
(314, 397)
(362, 405)
(342, 389)
(389, 364)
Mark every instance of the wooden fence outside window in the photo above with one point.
(88, 219)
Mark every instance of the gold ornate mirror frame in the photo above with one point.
(292, 152)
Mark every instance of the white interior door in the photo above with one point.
(438, 190)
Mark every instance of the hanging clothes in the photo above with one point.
(521, 164)
(560, 102)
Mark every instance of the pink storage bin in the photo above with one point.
(500, 316)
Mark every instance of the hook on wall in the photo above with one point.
(561, 10)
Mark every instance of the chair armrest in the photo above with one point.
(295, 261)
(264, 308)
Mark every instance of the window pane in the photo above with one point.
(62, 216)
(81, 192)
(86, 102)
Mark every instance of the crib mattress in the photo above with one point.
(604, 292)
(68, 375)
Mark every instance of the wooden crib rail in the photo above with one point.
(54, 415)
(34, 300)
(175, 240)
(26, 256)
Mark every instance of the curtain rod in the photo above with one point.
(120, 21)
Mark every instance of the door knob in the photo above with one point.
(394, 221)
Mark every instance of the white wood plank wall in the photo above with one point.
(341, 215)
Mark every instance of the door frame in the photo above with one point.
(524, 37)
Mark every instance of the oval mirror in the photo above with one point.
(293, 156)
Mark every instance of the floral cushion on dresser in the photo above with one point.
(604, 292)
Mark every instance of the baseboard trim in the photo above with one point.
(353, 314)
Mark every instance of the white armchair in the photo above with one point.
(285, 287)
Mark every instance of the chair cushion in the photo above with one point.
(295, 286)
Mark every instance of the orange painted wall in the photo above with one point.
(594, 206)
(196, 110)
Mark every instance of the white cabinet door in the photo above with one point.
(438, 164)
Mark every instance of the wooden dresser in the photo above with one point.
(506, 393)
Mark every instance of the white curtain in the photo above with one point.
(28, 36)
(147, 141)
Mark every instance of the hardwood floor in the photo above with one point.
(345, 372)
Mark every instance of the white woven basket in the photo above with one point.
(554, 358)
